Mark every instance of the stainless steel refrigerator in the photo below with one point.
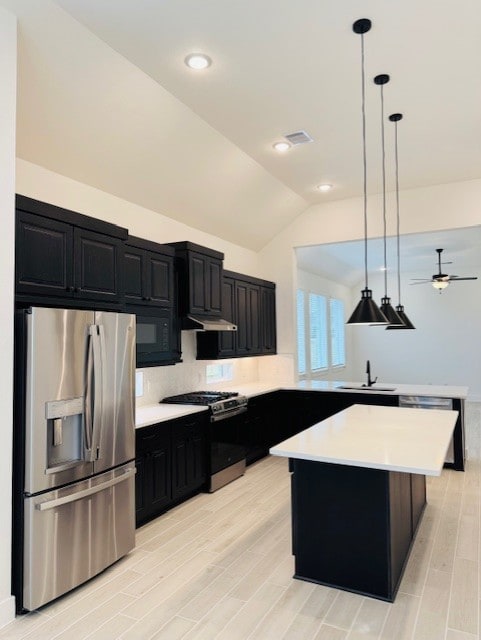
(77, 407)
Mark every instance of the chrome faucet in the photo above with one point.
(368, 371)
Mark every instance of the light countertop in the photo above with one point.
(151, 414)
(439, 391)
(387, 438)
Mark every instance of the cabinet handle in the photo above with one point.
(69, 288)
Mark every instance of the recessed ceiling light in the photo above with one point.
(324, 187)
(282, 147)
(198, 61)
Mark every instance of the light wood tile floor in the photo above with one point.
(219, 567)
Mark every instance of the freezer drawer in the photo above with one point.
(71, 534)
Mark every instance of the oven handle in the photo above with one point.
(228, 414)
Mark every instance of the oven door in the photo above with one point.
(227, 454)
(156, 338)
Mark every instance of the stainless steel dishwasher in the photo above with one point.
(430, 402)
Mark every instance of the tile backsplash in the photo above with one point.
(190, 374)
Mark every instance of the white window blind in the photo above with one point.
(338, 351)
(318, 331)
(301, 332)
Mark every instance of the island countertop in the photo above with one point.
(388, 438)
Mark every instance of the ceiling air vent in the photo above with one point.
(299, 137)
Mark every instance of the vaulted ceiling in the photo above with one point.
(105, 98)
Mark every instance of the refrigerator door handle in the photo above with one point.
(94, 408)
(57, 502)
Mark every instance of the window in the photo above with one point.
(320, 333)
(218, 373)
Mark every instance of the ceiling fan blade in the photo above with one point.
(421, 282)
(421, 279)
(454, 278)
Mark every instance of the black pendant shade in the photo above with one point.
(406, 322)
(367, 311)
(392, 316)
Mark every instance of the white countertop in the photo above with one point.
(153, 413)
(439, 391)
(387, 438)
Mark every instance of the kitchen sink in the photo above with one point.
(361, 387)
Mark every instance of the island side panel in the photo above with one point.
(352, 527)
(341, 527)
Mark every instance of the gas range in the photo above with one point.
(222, 404)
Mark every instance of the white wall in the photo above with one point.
(438, 207)
(445, 348)
(8, 70)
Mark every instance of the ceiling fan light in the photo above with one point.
(407, 324)
(440, 284)
(386, 308)
(367, 312)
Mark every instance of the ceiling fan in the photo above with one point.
(441, 280)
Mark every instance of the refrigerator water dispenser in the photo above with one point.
(65, 422)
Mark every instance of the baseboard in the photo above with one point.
(7, 611)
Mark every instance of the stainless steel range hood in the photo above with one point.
(207, 323)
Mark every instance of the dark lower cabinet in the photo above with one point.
(188, 458)
(352, 526)
(171, 464)
(153, 477)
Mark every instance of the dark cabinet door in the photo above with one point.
(160, 279)
(268, 320)
(153, 485)
(43, 260)
(254, 319)
(188, 458)
(197, 274)
(205, 275)
(247, 298)
(134, 281)
(227, 339)
(213, 284)
(97, 266)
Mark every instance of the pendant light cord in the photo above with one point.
(397, 216)
(384, 190)
(364, 157)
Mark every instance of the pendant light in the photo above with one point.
(367, 311)
(386, 306)
(407, 324)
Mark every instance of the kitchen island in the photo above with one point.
(358, 493)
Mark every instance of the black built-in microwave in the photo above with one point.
(157, 338)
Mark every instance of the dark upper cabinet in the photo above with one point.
(247, 298)
(97, 266)
(250, 303)
(268, 320)
(148, 273)
(42, 261)
(200, 279)
(66, 256)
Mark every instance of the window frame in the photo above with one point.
(333, 307)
